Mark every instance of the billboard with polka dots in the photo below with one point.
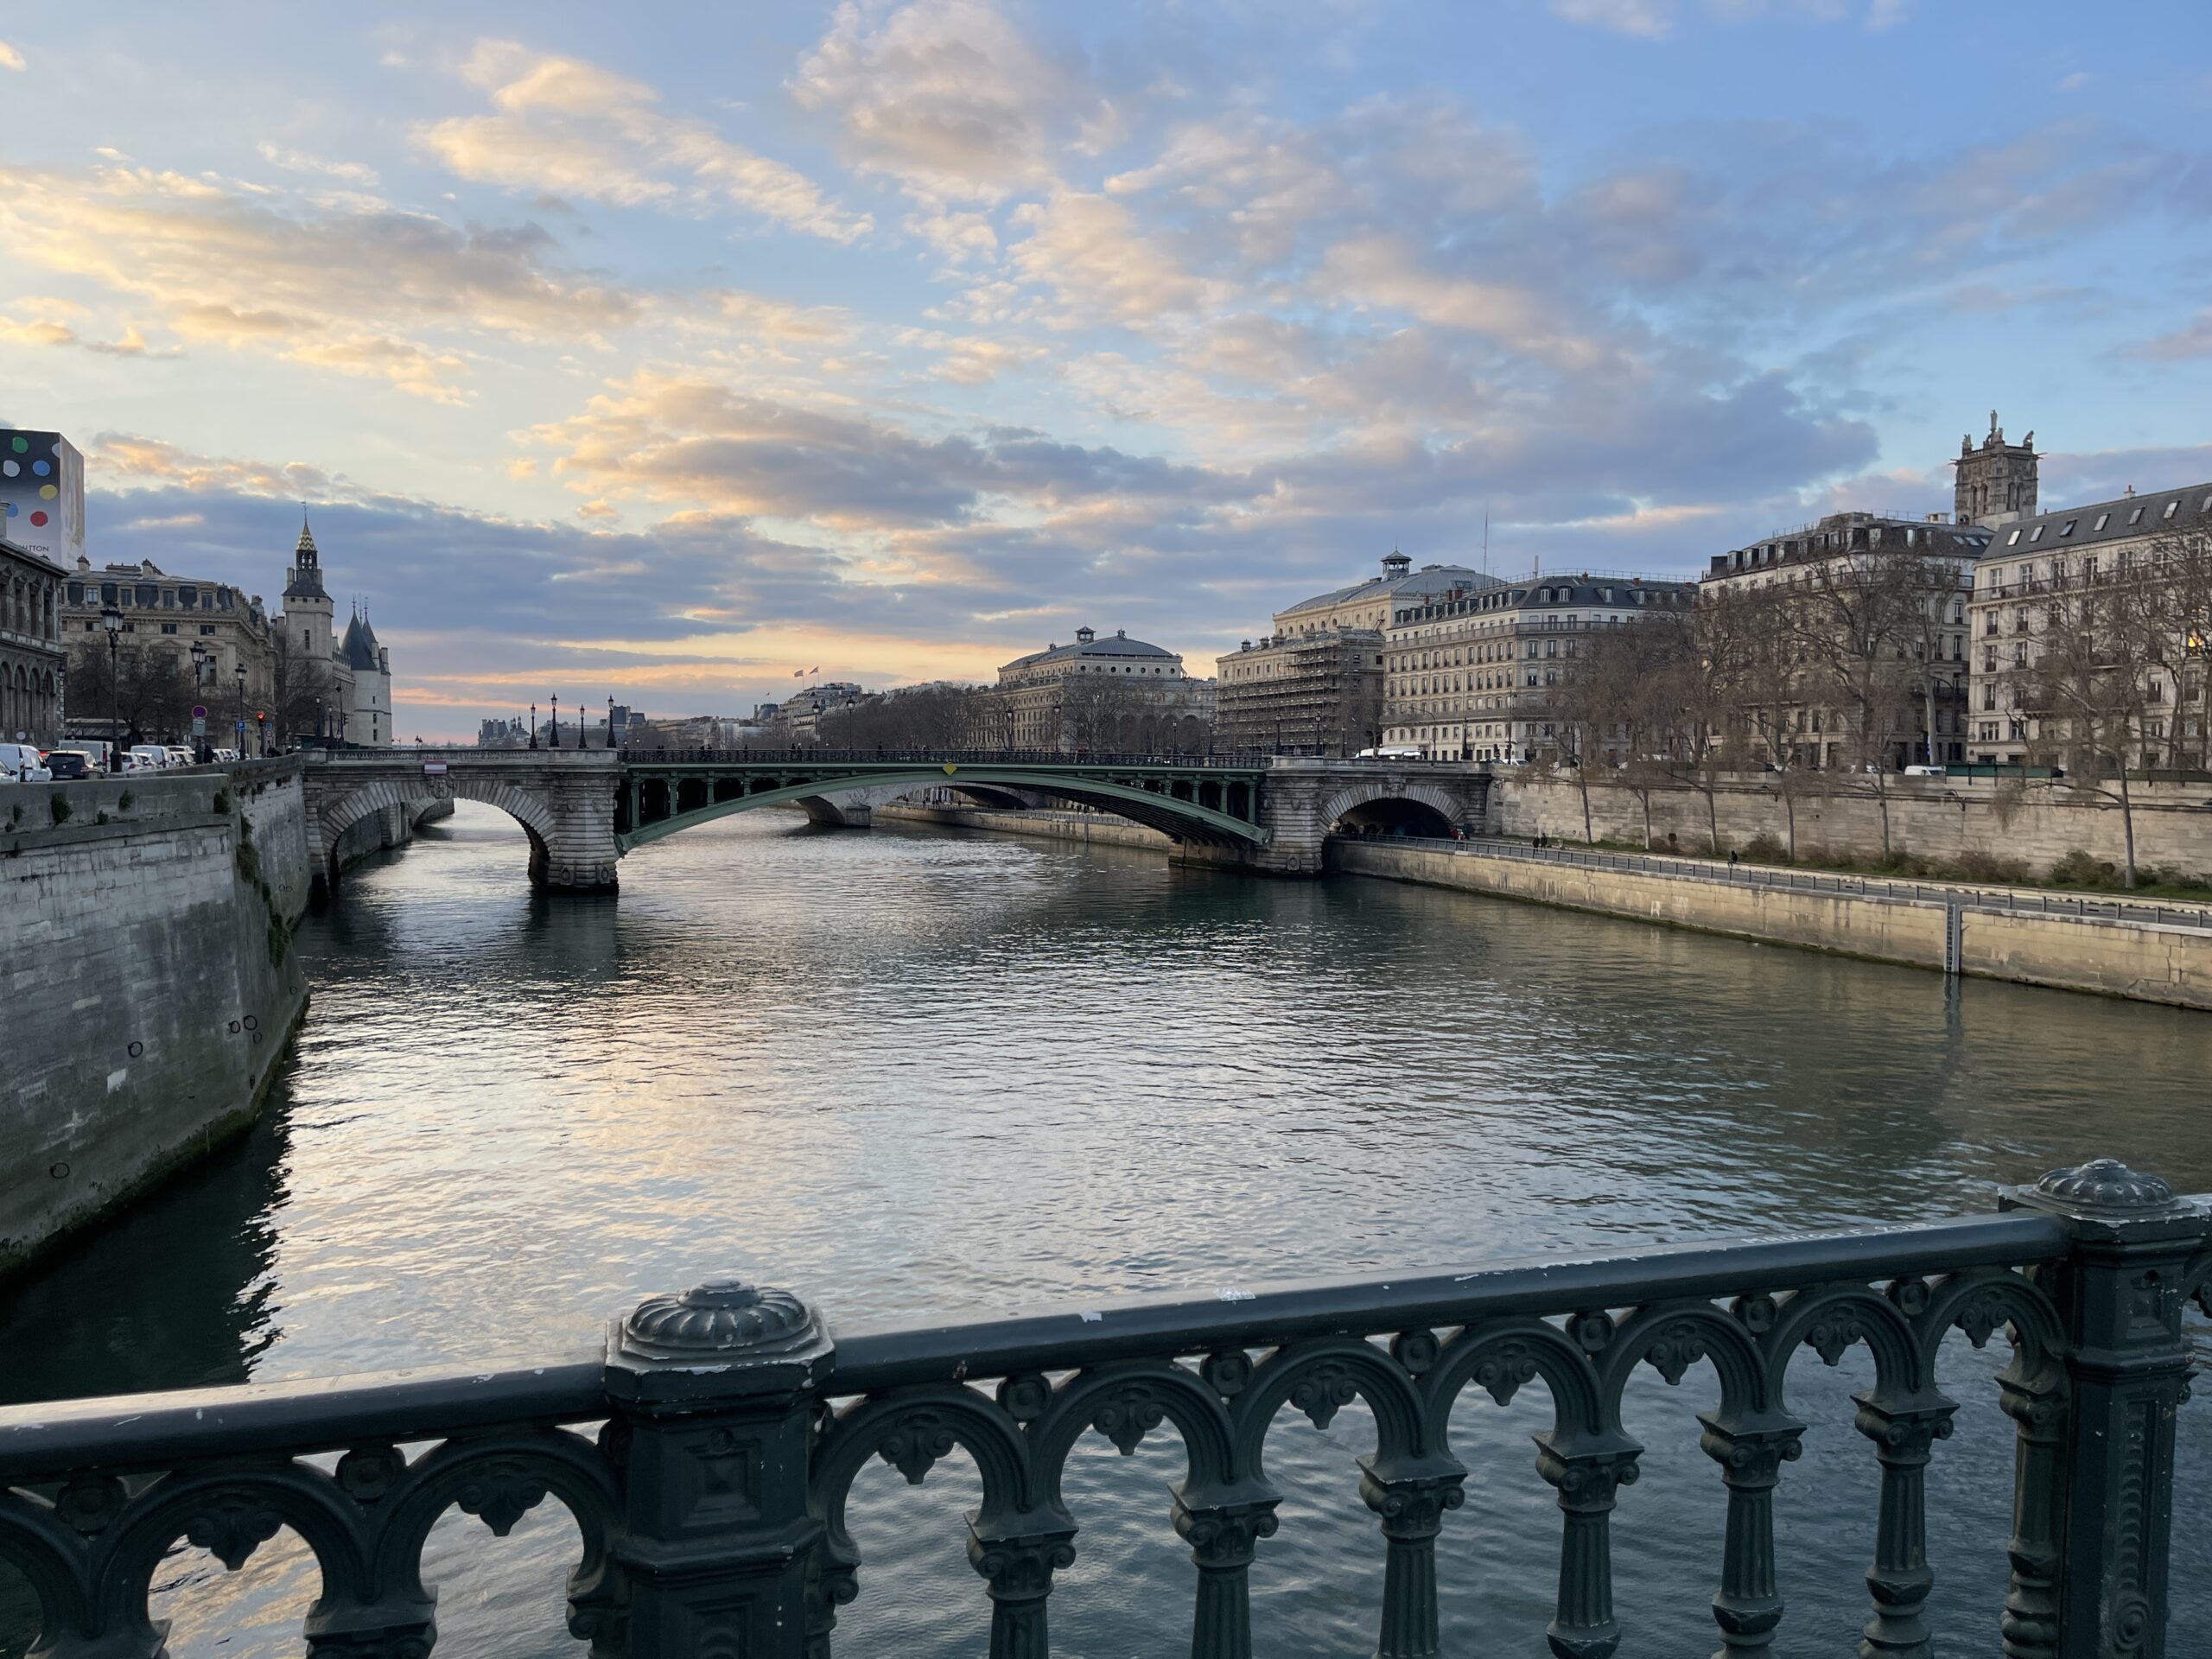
(43, 493)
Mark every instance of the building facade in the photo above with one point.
(2033, 579)
(1374, 604)
(32, 663)
(163, 617)
(1910, 579)
(1317, 693)
(1471, 675)
(1100, 695)
(799, 717)
(302, 679)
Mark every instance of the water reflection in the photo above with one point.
(919, 1072)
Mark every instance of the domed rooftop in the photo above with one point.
(1087, 643)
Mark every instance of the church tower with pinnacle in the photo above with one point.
(1996, 483)
(309, 615)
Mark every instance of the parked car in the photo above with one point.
(146, 757)
(1926, 772)
(66, 764)
(226, 756)
(180, 755)
(20, 763)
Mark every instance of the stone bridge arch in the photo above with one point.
(1447, 805)
(564, 802)
(532, 811)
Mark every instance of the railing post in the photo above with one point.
(1412, 1502)
(711, 1394)
(2119, 1294)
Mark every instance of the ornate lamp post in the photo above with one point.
(533, 725)
(198, 683)
(556, 743)
(240, 722)
(112, 619)
(610, 723)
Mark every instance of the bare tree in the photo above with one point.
(930, 717)
(148, 689)
(2094, 683)
(300, 686)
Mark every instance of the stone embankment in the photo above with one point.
(2146, 960)
(2035, 821)
(1090, 828)
(151, 980)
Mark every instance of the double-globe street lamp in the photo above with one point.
(555, 742)
(200, 677)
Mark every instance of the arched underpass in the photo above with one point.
(1394, 815)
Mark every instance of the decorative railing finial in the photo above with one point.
(724, 1325)
(2106, 1186)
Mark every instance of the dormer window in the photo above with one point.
(2013, 540)
(2035, 535)
(2136, 517)
(2103, 518)
(2070, 523)
(2173, 507)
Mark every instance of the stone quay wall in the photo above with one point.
(151, 981)
(2148, 962)
(1087, 827)
(2038, 823)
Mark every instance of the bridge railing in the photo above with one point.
(2020, 901)
(943, 757)
(706, 1452)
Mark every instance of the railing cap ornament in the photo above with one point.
(2104, 1196)
(724, 1336)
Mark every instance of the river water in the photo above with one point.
(915, 1073)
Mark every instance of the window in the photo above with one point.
(169, 628)
(2136, 517)
(2070, 523)
(2035, 535)
(2013, 540)
(2173, 507)
(2103, 518)
(207, 627)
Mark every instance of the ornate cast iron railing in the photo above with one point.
(712, 1498)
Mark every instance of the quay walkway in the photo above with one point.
(2011, 901)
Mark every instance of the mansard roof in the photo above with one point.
(2130, 518)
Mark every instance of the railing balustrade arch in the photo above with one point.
(711, 1506)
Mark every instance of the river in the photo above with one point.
(915, 1071)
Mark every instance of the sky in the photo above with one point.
(679, 352)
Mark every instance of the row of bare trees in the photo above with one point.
(1855, 666)
(148, 691)
(2103, 662)
(1089, 712)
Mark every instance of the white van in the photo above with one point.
(1401, 752)
(21, 763)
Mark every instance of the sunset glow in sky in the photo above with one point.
(664, 351)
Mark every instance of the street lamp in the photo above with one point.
(556, 743)
(318, 722)
(198, 683)
(533, 725)
(240, 722)
(112, 619)
(610, 724)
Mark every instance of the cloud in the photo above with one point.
(296, 161)
(10, 59)
(949, 97)
(1649, 18)
(2185, 344)
(379, 293)
(47, 332)
(573, 129)
(686, 441)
